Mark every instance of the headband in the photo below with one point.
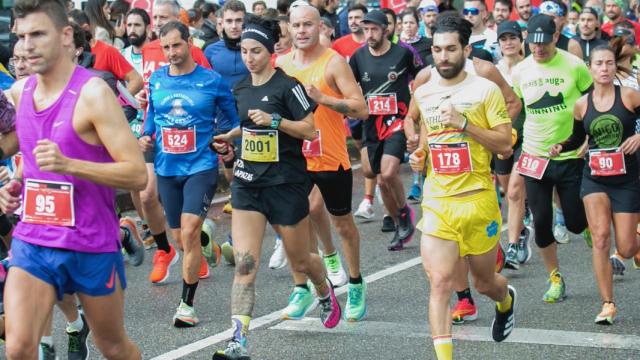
(259, 34)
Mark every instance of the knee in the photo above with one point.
(315, 208)
(111, 349)
(441, 284)
(387, 176)
(483, 286)
(20, 349)
(627, 249)
(601, 239)
(148, 197)
(300, 264)
(515, 193)
(190, 235)
(346, 228)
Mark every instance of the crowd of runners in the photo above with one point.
(527, 110)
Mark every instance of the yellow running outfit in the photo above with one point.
(457, 165)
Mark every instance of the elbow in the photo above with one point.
(363, 112)
(504, 147)
(140, 182)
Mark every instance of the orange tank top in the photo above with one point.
(330, 151)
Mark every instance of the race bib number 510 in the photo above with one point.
(532, 166)
(450, 158)
(48, 203)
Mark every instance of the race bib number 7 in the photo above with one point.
(48, 203)
(312, 148)
(607, 162)
(532, 166)
(450, 158)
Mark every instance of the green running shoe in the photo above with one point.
(301, 302)
(335, 271)
(227, 251)
(185, 316)
(211, 251)
(356, 308)
(557, 290)
(234, 351)
(587, 237)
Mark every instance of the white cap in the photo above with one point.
(429, 5)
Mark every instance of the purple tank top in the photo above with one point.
(96, 227)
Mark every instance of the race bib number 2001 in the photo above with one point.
(48, 203)
(260, 145)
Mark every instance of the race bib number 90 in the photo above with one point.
(382, 104)
(260, 145)
(532, 166)
(607, 162)
(48, 203)
(450, 158)
(178, 140)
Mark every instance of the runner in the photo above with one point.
(330, 83)
(384, 70)
(349, 43)
(77, 230)
(524, 10)
(589, 32)
(482, 38)
(153, 57)
(610, 185)
(184, 98)
(549, 82)
(461, 217)
(271, 171)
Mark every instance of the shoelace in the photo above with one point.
(332, 263)
(355, 295)
(74, 341)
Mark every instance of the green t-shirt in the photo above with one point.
(549, 92)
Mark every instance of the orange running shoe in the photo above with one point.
(162, 261)
(464, 311)
(204, 269)
(500, 259)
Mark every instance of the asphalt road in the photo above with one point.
(396, 326)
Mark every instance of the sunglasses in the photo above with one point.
(470, 11)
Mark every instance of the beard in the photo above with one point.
(451, 72)
(137, 40)
(375, 44)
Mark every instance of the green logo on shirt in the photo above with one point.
(606, 131)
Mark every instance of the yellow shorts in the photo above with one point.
(473, 221)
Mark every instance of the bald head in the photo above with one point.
(305, 27)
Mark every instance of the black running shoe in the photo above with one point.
(78, 347)
(396, 243)
(387, 224)
(405, 224)
(504, 323)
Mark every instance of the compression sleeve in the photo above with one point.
(576, 139)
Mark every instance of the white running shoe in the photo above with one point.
(335, 271)
(365, 210)
(278, 259)
(561, 234)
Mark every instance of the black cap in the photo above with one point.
(590, 10)
(376, 17)
(541, 29)
(509, 27)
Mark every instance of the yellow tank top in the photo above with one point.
(331, 152)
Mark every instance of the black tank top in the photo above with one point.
(610, 129)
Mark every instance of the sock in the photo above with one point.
(204, 238)
(443, 345)
(505, 305)
(357, 280)
(465, 294)
(416, 178)
(188, 292)
(326, 297)
(240, 324)
(126, 240)
(369, 197)
(76, 325)
(330, 255)
(5, 225)
(162, 241)
(47, 340)
(304, 286)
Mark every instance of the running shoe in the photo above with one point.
(365, 210)
(561, 234)
(227, 208)
(356, 307)
(617, 264)
(211, 252)
(204, 272)
(395, 244)
(504, 323)
(511, 260)
(78, 348)
(528, 217)
(47, 352)
(500, 259)
(132, 243)
(464, 311)
(406, 220)
(335, 271)
(301, 302)
(227, 251)
(278, 259)
(524, 245)
(162, 262)
(608, 314)
(234, 351)
(557, 289)
(415, 193)
(330, 311)
(185, 316)
(387, 224)
(586, 234)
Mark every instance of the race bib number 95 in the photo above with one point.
(48, 203)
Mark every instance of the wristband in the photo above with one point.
(466, 122)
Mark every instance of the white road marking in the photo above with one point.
(470, 333)
(274, 317)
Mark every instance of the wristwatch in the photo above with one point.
(275, 120)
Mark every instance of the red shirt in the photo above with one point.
(110, 60)
(274, 57)
(346, 46)
(608, 28)
(153, 58)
